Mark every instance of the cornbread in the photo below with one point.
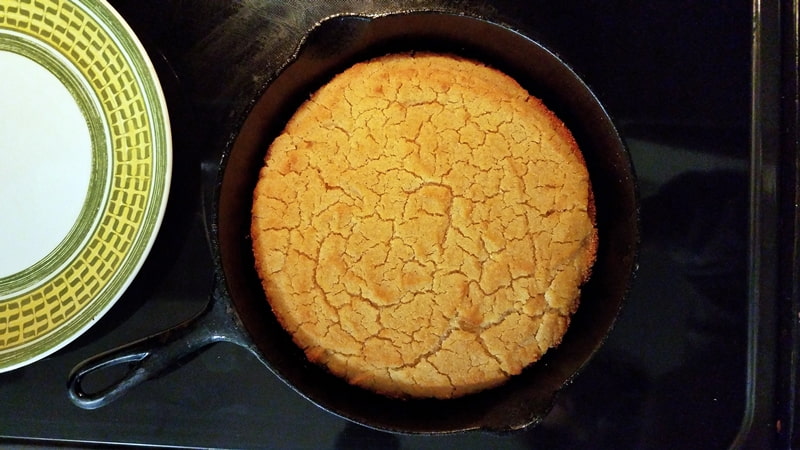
(423, 225)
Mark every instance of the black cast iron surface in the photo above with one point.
(676, 76)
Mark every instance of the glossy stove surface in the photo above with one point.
(675, 76)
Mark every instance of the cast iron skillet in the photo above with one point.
(238, 311)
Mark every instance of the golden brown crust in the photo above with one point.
(423, 225)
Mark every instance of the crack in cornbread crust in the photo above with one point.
(423, 225)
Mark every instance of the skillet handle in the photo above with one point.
(149, 357)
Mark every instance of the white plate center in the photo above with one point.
(45, 162)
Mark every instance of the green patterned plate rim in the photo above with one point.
(85, 169)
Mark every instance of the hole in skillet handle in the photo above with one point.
(116, 384)
(338, 43)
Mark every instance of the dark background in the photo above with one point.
(675, 76)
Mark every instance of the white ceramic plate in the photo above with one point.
(85, 164)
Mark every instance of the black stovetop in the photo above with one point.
(694, 360)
